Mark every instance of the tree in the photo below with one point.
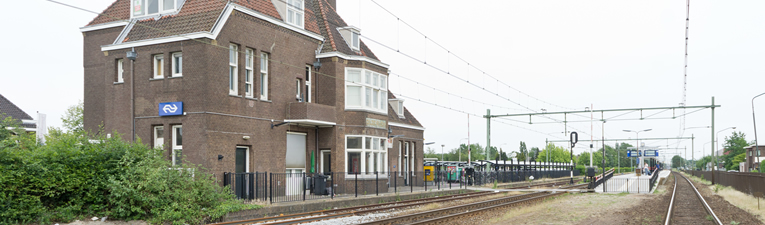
(677, 161)
(584, 159)
(533, 153)
(431, 153)
(738, 159)
(8, 127)
(522, 152)
(555, 153)
(735, 144)
(72, 119)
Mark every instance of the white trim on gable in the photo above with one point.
(104, 26)
(214, 32)
(277, 22)
(406, 126)
(351, 57)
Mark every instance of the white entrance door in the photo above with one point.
(296, 151)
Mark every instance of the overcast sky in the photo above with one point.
(561, 55)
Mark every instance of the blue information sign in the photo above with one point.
(651, 153)
(170, 108)
(633, 153)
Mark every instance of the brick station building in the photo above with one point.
(246, 85)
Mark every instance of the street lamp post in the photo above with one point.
(637, 133)
(757, 150)
(717, 137)
(442, 152)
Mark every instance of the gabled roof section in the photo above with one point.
(194, 16)
(11, 110)
(408, 117)
(329, 22)
(119, 10)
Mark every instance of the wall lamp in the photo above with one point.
(317, 65)
(278, 124)
(132, 55)
(220, 157)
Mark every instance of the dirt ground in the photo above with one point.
(732, 207)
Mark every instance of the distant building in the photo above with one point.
(245, 86)
(752, 159)
(8, 109)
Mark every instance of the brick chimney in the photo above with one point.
(333, 3)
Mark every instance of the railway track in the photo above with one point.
(555, 183)
(687, 206)
(445, 215)
(352, 211)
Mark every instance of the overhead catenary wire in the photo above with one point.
(462, 59)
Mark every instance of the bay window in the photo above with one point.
(368, 92)
(365, 155)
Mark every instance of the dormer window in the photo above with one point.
(141, 8)
(355, 40)
(351, 36)
(295, 12)
(398, 106)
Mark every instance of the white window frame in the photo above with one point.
(368, 151)
(308, 80)
(248, 74)
(264, 76)
(295, 13)
(120, 70)
(176, 147)
(298, 87)
(160, 10)
(157, 143)
(400, 157)
(355, 40)
(177, 61)
(233, 69)
(158, 65)
(321, 157)
(368, 87)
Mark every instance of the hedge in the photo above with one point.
(72, 178)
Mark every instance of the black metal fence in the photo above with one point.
(289, 187)
(749, 183)
(250, 186)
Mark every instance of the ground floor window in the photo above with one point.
(365, 154)
(326, 161)
(177, 144)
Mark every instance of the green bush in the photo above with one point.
(71, 178)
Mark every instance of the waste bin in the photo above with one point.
(320, 185)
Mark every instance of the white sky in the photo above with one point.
(612, 54)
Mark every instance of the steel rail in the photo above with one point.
(470, 208)
(706, 206)
(452, 217)
(671, 202)
(338, 211)
(698, 195)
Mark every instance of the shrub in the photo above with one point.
(71, 178)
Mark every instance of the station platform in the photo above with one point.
(630, 183)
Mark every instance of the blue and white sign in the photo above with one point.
(633, 153)
(170, 108)
(651, 153)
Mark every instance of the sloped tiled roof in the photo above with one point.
(9, 109)
(408, 117)
(201, 15)
(119, 10)
(330, 22)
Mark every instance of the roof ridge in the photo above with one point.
(326, 25)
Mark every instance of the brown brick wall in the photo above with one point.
(216, 122)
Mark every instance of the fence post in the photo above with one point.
(377, 183)
(332, 185)
(271, 189)
(425, 180)
(411, 184)
(357, 184)
(302, 186)
(395, 181)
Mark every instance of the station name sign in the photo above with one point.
(171, 109)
